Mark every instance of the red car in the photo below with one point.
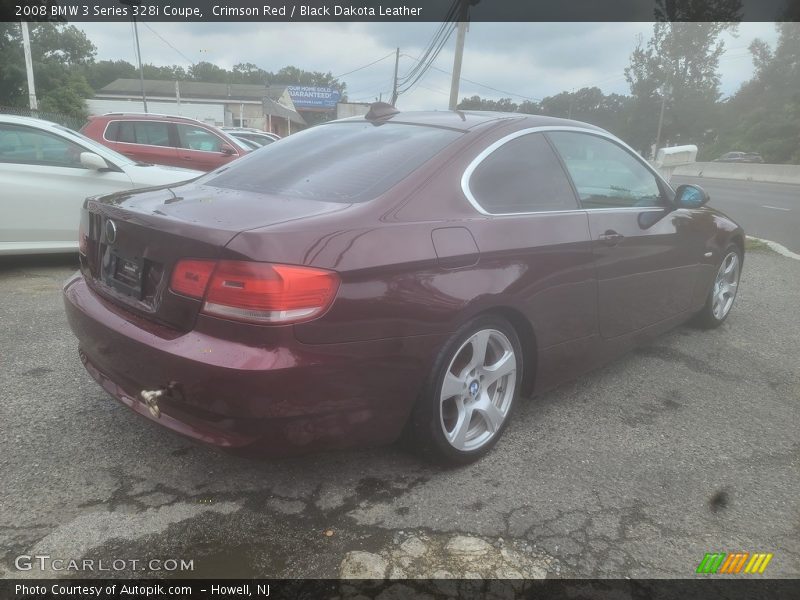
(396, 272)
(165, 140)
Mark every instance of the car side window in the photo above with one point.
(112, 131)
(605, 174)
(149, 133)
(522, 175)
(26, 145)
(192, 137)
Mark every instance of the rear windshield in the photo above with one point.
(340, 162)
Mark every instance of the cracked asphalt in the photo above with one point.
(686, 446)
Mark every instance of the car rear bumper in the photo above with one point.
(289, 398)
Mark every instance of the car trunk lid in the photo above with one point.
(134, 239)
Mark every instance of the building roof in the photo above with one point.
(225, 92)
(188, 89)
(274, 108)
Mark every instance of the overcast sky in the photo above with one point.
(523, 60)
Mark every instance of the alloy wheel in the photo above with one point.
(725, 286)
(477, 390)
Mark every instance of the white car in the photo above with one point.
(47, 171)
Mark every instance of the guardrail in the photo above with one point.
(741, 171)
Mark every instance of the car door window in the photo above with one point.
(25, 145)
(604, 173)
(522, 175)
(148, 133)
(193, 137)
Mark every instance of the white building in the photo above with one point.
(238, 105)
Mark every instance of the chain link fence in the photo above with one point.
(67, 120)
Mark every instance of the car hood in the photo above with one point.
(145, 175)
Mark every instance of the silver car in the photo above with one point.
(47, 171)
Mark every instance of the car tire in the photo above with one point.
(466, 404)
(723, 291)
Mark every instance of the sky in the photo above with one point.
(519, 60)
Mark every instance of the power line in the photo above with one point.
(368, 87)
(186, 58)
(481, 84)
(434, 47)
(407, 85)
(435, 41)
(365, 66)
(425, 87)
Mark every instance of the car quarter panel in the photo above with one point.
(393, 282)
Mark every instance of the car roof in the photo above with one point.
(241, 129)
(32, 121)
(465, 120)
(148, 117)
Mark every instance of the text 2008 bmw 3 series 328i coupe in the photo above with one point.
(399, 272)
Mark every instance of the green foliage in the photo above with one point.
(677, 66)
(205, 71)
(478, 103)
(103, 72)
(60, 53)
(765, 112)
(171, 72)
(587, 104)
(13, 88)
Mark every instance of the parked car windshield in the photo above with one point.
(340, 162)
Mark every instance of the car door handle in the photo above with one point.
(611, 237)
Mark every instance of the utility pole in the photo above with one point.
(462, 31)
(571, 102)
(664, 91)
(131, 3)
(139, 58)
(394, 87)
(26, 47)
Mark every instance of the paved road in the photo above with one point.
(765, 210)
(689, 445)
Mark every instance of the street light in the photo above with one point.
(133, 3)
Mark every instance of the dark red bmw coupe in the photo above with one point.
(412, 272)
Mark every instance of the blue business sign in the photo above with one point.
(313, 97)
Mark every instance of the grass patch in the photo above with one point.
(752, 244)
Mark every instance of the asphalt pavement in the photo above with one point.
(765, 210)
(687, 446)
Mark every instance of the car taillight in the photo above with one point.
(190, 277)
(83, 235)
(256, 292)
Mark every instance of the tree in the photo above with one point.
(764, 115)
(101, 73)
(208, 72)
(678, 67)
(60, 54)
(294, 76)
(478, 103)
(587, 104)
(170, 73)
(13, 88)
(248, 73)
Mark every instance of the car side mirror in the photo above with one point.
(93, 161)
(690, 196)
(227, 150)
